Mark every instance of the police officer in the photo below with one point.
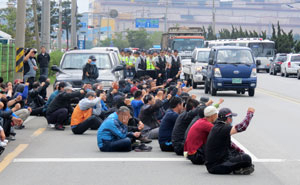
(122, 56)
(175, 64)
(169, 61)
(150, 65)
(140, 65)
(161, 64)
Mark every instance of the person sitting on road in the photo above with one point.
(113, 135)
(59, 109)
(196, 139)
(167, 124)
(35, 100)
(148, 117)
(220, 157)
(82, 117)
(90, 71)
(137, 103)
(182, 123)
(59, 87)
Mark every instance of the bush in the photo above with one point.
(55, 58)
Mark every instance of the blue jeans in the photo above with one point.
(121, 145)
(44, 72)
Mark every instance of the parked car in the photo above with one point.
(195, 70)
(291, 65)
(275, 66)
(231, 68)
(72, 62)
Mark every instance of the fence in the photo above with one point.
(7, 61)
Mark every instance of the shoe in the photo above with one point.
(19, 127)
(145, 140)
(51, 125)
(3, 144)
(11, 138)
(1, 150)
(143, 148)
(5, 141)
(244, 171)
(59, 127)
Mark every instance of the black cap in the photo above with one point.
(204, 99)
(92, 57)
(226, 112)
(175, 51)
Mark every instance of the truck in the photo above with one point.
(183, 39)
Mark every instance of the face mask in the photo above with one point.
(93, 62)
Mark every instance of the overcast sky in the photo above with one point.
(83, 5)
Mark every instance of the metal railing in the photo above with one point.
(7, 61)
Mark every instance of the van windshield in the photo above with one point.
(234, 56)
(203, 56)
(78, 60)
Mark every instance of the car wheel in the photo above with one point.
(274, 73)
(206, 87)
(251, 92)
(286, 74)
(281, 73)
(257, 70)
(213, 91)
(298, 75)
(268, 70)
(194, 84)
(238, 92)
(271, 73)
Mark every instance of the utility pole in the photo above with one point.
(36, 25)
(214, 18)
(59, 34)
(46, 24)
(20, 37)
(166, 14)
(73, 24)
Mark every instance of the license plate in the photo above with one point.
(236, 80)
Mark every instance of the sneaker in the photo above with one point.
(59, 127)
(3, 144)
(244, 171)
(145, 140)
(11, 138)
(51, 125)
(143, 148)
(1, 150)
(5, 141)
(19, 127)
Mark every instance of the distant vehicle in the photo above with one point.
(231, 68)
(291, 65)
(263, 50)
(183, 39)
(195, 70)
(275, 66)
(72, 62)
(115, 49)
(155, 49)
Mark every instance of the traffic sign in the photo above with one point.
(146, 23)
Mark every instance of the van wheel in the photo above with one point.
(206, 88)
(251, 92)
(238, 92)
(257, 70)
(274, 73)
(298, 75)
(213, 90)
(281, 74)
(194, 84)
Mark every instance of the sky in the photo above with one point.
(83, 5)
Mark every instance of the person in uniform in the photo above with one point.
(161, 64)
(175, 64)
(140, 64)
(150, 65)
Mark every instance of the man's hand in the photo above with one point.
(35, 68)
(43, 83)
(137, 134)
(9, 88)
(82, 91)
(29, 109)
(17, 121)
(17, 107)
(250, 109)
(194, 96)
(27, 83)
(114, 91)
(210, 102)
(221, 101)
(169, 96)
(141, 125)
(19, 98)
(48, 80)
(87, 74)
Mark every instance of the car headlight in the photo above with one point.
(253, 73)
(217, 73)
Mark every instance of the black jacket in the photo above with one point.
(92, 71)
(35, 100)
(43, 60)
(147, 114)
(62, 100)
(161, 64)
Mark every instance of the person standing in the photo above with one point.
(43, 60)
(90, 71)
(175, 64)
(161, 64)
(30, 67)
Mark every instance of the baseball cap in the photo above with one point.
(210, 110)
(204, 99)
(226, 112)
(133, 89)
(92, 57)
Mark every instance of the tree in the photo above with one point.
(155, 37)
(210, 34)
(120, 42)
(139, 39)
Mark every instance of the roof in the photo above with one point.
(202, 49)
(188, 37)
(94, 51)
(4, 35)
(230, 47)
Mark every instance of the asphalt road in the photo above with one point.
(41, 155)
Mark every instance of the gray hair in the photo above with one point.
(90, 93)
(123, 109)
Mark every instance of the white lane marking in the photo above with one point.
(254, 158)
(60, 160)
(28, 160)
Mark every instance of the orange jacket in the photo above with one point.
(79, 116)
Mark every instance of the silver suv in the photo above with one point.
(72, 62)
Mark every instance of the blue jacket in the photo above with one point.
(166, 126)
(112, 130)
